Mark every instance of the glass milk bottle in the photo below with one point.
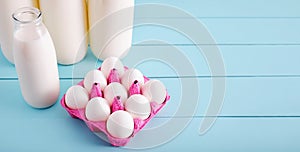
(7, 7)
(66, 21)
(35, 59)
(110, 23)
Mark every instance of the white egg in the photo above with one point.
(130, 76)
(138, 106)
(94, 76)
(120, 124)
(154, 91)
(112, 63)
(115, 89)
(97, 109)
(76, 97)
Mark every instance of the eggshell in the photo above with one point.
(94, 76)
(120, 124)
(138, 106)
(112, 63)
(154, 91)
(97, 109)
(115, 89)
(76, 97)
(130, 76)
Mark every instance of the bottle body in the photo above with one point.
(66, 21)
(35, 59)
(110, 23)
(7, 8)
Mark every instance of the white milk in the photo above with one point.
(66, 21)
(7, 7)
(113, 35)
(35, 61)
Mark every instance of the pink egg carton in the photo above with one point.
(116, 105)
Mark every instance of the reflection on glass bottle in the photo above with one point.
(35, 58)
(7, 7)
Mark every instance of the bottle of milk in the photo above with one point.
(35, 58)
(66, 21)
(7, 7)
(110, 23)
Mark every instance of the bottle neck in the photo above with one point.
(28, 24)
(27, 16)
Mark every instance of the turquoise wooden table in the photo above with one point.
(259, 42)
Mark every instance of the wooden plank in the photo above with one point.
(238, 61)
(229, 8)
(168, 61)
(255, 97)
(243, 97)
(224, 31)
(238, 134)
(228, 134)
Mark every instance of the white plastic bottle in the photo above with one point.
(7, 7)
(110, 23)
(66, 21)
(35, 59)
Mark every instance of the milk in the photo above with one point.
(66, 21)
(7, 7)
(110, 23)
(35, 61)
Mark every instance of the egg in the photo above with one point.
(115, 89)
(154, 91)
(97, 109)
(120, 124)
(76, 97)
(130, 76)
(112, 63)
(94, 76)
(138, 106)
